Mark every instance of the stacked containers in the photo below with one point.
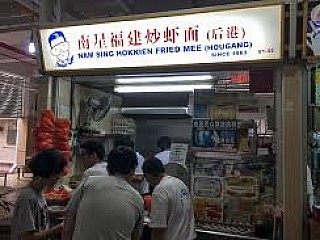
(53, 132)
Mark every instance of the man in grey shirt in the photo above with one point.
(109, 207)
(30, 218)
(93, 154)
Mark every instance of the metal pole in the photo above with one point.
(293, 29)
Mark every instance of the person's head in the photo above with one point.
(59, 45)
(124, 142)
(48, 166)
(92, 152)
(153, 170)
(122, 161)
(164, 143)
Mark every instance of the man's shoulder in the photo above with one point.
(137, 196)
(28, 193)
(95, 171)
(170, 182)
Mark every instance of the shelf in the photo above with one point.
(227, 235)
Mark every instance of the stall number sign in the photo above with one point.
(210, 37)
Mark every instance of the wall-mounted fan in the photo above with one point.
(96, 108)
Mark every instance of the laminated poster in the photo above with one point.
(209, 168)
(208, 187)
(178, 153)
(244, 187)
(210, 211)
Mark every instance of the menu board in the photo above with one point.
(230, 190)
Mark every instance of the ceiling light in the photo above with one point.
(155, 110)
(32, 48)
(158, 79)
(160, 88)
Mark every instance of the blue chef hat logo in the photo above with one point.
(59, 48)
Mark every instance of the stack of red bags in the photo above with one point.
(44, 132)
(61, 137)
(53, 133)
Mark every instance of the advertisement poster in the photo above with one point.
(214, 133)
(312, 48)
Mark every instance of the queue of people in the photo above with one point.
(106, 203)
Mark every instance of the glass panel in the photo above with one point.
(233, 175)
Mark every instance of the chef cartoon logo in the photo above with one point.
(59, 48)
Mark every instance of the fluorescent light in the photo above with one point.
(155, 110)
(161, 88)
(32, 48)
(157, 79)
(264, 94)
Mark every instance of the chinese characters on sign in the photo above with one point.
(151, 36)
(199, 38)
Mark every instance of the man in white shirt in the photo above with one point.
(164, 144)
(137, 180)
(110, 208)
(172, 216)
(93, 154)
(310, 189)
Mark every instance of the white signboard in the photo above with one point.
(210, 37)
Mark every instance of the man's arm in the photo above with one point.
(159, 214)
(136, 234)
(68, 225)
(71, 212)
(158, 233)
(43, 235)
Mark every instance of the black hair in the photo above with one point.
(153, 166)
(47, 163)
(124, 142)
(93, 146)
(164, 143)
(122, 160)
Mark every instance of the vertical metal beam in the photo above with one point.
(293, 29)
(50, 11)
(293, 149)
(278, 133)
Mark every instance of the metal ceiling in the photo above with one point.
(82, 9)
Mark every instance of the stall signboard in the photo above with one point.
(312, 46)
(236, 35)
